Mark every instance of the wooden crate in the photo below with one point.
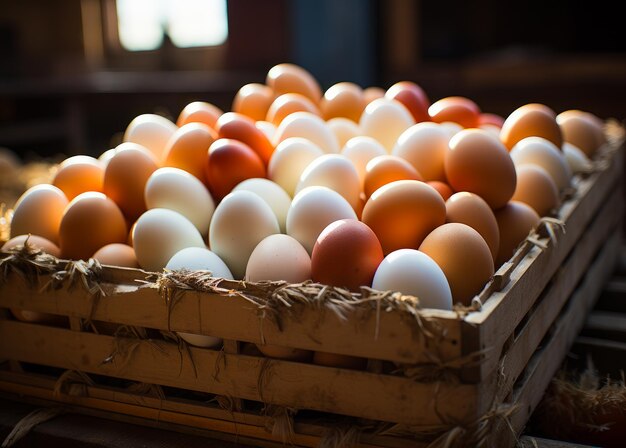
(467, 371)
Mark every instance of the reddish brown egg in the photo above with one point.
(125, 179)
(456, 109)
(199, 112)
(536, 188)
(373, 93)
(442, 188)
(382, 170)
(344, 99)
(582, 129)
(79, 174)
(232, 125)
(34, 241)
(253, 100)
(91, 220)
(515, 221)
(346, 254)
(187, 149)
(413, 97)
(225, 154)
(477, 162)
(531, 120)
(287, 104)
(117, 254)
(492, 119)
(290, 78)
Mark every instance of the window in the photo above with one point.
(142, 24)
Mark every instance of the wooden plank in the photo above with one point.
(359, 394)
(537, 442)
(604, 321)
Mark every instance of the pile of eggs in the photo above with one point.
(352, 187)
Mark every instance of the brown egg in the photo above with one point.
(287, 104)
(470, 209)
(39, 211)
(457, 109)
(442, 188)
(477, 162)
(403, 212)
(129, 241)
(187, 149)
(340, 361)
(91, 220)
(225, 154)
(536, 188)
(413, 97)
(232, 125)
(35, 241)
(199, 112)
(125, 179)
(531, 120)
(515, 221)
(290, 78)
(463, 256)
(382, 170)
(344, 99)
(346, 254)
(582, 129)
(253, 100)
(79, 174)
(117, 254)
(492, 119)
(373, 93)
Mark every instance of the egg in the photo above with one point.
(106, 156)
(541, 152)
(224, 154)
(339, 361)
(199, 112)
(34, 241)
(346, 254)
(287, 104)
(150, 131)
(463, 256)
(289, 160)
(470, 209)
(178, 190)
(490, 120)
(515, 221)
(235, 126)
(414, 273)
(272, 194)
(344, 99)
(385, 169)
(279, 258)
(577, 160)
(312, 209)
(253, 100)
(91, 220)
(442, 188)
(451, 128)
(344, 129)
(267, 128)
(457, 109)
(479, 163)
(531, 120)
(187, 149)
(424, 146)
(159, 234)
(385, 120)
(39, 211)
(335, 172)
(291, 78)
(79, 174)
(309, 126)
(373, 93)
(536, 188)
(412, 97)
(581, 129)
(360, 150)
(125, 178)
(117, 254)
(239, 223)
(403, 212)
(493, 130)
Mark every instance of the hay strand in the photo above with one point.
(26, 424)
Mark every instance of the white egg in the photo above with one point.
(344, 129)
(385, 119)
(414, 273)
(360, 150)
(491, 128)
(279, 257)
(159, 233)
(453, 128)
(152, 131)
(178, 190)
(272, 194)
(39, 211)
(336, 172)
(542, 152)
(309, 126)
(239, 223)
(289, 160)
(424, 146)
(312, 210)
(577, 160)
(267, 128)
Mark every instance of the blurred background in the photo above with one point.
(73, 73)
